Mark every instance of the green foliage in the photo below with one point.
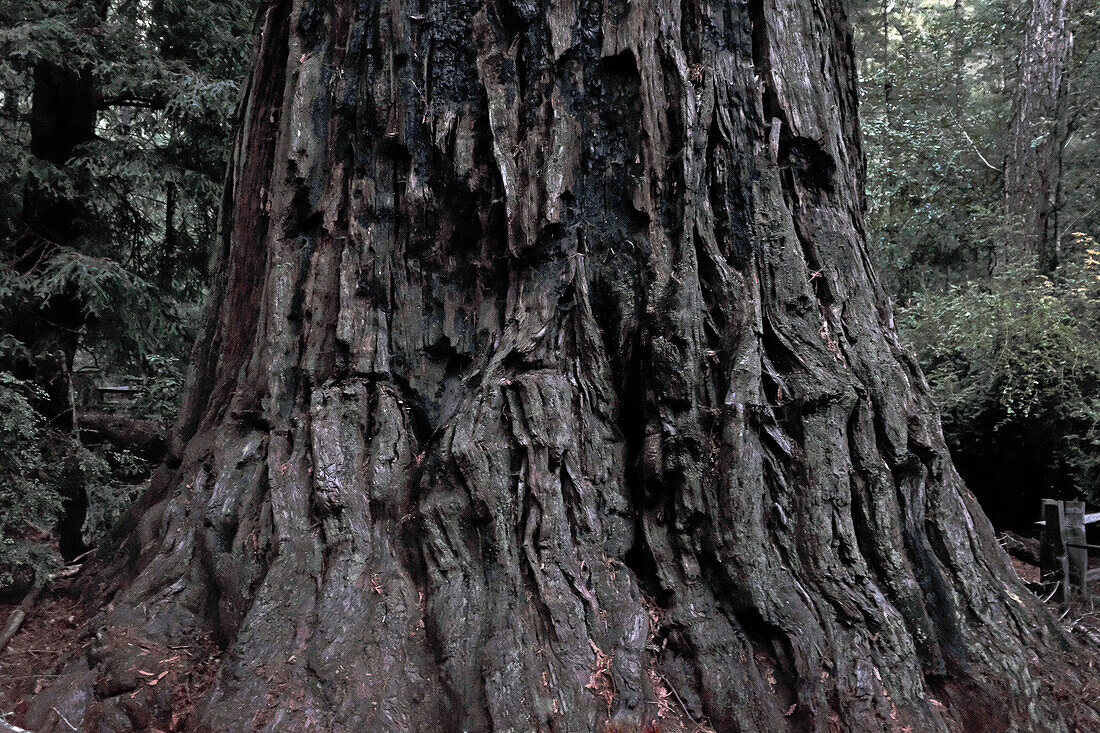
(107, 289)
(934, 111)
(34, 462)
(109, 482)
(26, 493)
(936, 83)
(161, 395)
(103, 255)
(1013, 360)
(167, 74)
(1015, 363)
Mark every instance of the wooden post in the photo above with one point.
(1074, 534)
(1053, 564)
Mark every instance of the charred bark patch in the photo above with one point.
(807, 161)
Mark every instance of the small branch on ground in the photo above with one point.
(6, 727)
(64, 719)
(15, 620)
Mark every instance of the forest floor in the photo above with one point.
(31, 658)
(37, 653)
(1028, 573)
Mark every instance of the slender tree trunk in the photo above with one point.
(1036, 136)
(64, 105)
(62, 118)
(546, 385)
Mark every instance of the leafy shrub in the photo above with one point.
(107, 483)
(29, 500)
(1015, 364)
(34, 463)
(163, 389)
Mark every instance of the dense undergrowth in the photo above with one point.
(1015, 363)
(115, 122)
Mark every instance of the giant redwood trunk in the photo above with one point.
(547, 386)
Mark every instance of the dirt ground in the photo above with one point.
(1028, 573)
(51, 631)
(28, 663)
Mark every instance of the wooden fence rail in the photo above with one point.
(1064, 549)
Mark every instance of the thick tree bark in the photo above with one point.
(1036, 137)
(547, 385)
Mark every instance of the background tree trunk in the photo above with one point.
(1036, 136)
(63, 115)
(546, 385)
